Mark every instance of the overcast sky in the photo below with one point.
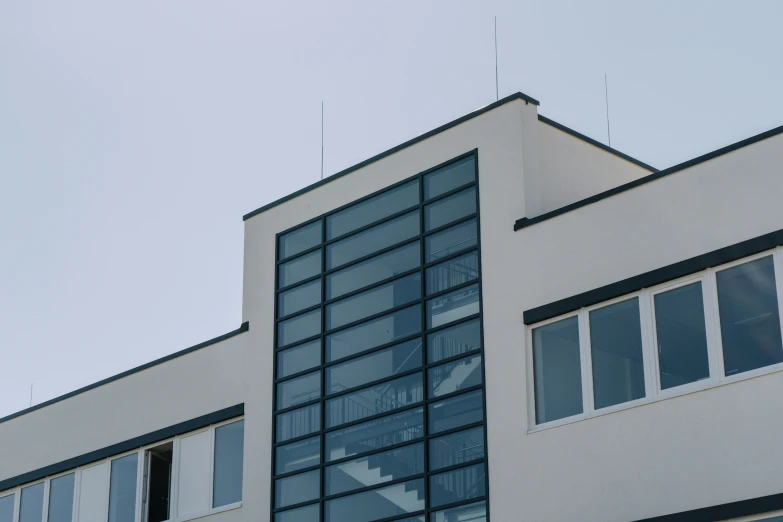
(135, 135)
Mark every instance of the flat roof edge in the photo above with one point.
(243, 328)
(389, 152)
(526, 222)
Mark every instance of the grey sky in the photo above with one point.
(135, 135)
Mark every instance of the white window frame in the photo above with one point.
(653, 391)
(757, 518)
(17, 491)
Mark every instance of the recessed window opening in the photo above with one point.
(158, 465)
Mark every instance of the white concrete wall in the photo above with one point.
(572, 169)
(196, 384)
(697, 450)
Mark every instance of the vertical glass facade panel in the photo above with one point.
(298, 391)
(454, 272)
(298, 455)
(310, 513)
(557, 370)
(122, 489)
(453, 306)
(471, 513)
(31, 504)
(460, 484)
(450, 241)
(373, 333)
(61, 492)
(373, 209)
(455, 376)
(360, 473)
(378, 365)
(228, 464)
(452, 208)
(298, 423)
(457, 448)
(299, 328)
(299, 240)
(297, 488)
(299, 298)
(375, 434)
(371, 302)
(298, 359)
(376, 504)
(450, 177)
(456, 411)
(372, 240)
(375, 400)
(749, 316)
(456, 340)
(374, 270)
(299, 269)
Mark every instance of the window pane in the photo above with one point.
(7, 508)
(681, 336)
(463, 338)
(616, 345)
(299, 327)
(453, 272)
(457, 448)
(372, 210)
(471, 513)
(375, 400)
(375, 434)
(310, 513)
(375, 469)
(61, 498)
(122, 491)
(298, 359)
(457, 485)
(749, 317)
(557, 370)
(299, 390)
(372, 240)
(450, 209)
(299, 298)
(373, 270)
(229, 456)
(377, 332)
(371, 302)
(31, 504)
(452, 307)
(455, 376)
(298, 422)
(300, 239)
(452, 240)
(456, 411)
(384, 363)
(298, 455)
(299, 269)
(296, 489)
(450, 177)
(377, 504)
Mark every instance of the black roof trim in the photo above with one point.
(655, 277)
(122, 447)
(742, 508)
(243, 328)
(591, 141)
(526, 222)
(417, 139)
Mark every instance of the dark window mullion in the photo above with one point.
(425, 378)
(322, 438)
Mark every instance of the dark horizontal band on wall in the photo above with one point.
(122, 447)
(417, 139)
(595, 143)
(655, 277)
(526, 222)
(243, 328)
(742, 508)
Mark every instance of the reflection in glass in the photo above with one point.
(454, 376)
(457, 448)
(299, 390)
(122, 491)
(456, 411)
(450, 342)
(375, 434)
(375, 469)
(299, 269)
(374, 301)
(229, 456)
(450, 209)
(457, 485)
(454, 272)
(298, 455)
(616, 345)
(378, 365)
(450, 241)
(749, 316)
(383, 398)
(377, 504)
(7, 508)
(373, 209)
(378, 268)
(31, 503)
(298, 488)
(450, 177)
(557, 370)
(298, 359)
(300, 239)
(681, 336)
(298, 328)
(452, 307)
(376, 332)
(309, 513)
(372, 240)
(299, 422)
(299, 298)
(61, 490)
(471, 513)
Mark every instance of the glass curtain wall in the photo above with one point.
(379, 377)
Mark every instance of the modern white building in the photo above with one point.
(501, 320)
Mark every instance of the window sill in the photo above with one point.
(672, 393)
(214, 511)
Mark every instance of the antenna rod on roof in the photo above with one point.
(31, 394)
(606, 95)
(322, 139)
(497, 90)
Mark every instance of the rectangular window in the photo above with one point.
(156, 495)
(122, 492)
(681, 336)
(298, 423)
(61, 491)
(31, 503)
(453, 341)
(749, 316)
(7, 508)
(375, 505)
(378, 365)
(457, 448)
(228, 464)
(455, 376)
(93, 490)
(370, 302)
(298, 359)
(374, 270)
(453, 307)
(557, 370)
(299, 328)
(299, 269)
(375, 469)
(371, 210)
(451, 273)
(373, 333)
(298, 455)
(450, 177)
(299, 298)
(375, 434)
(452, 208)
(456, 411)
(452, 240)
(299, 240)
(458, 485)
(383, 398)
(297, 488)
(618, 362)
(372, 240)
(300, 390)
